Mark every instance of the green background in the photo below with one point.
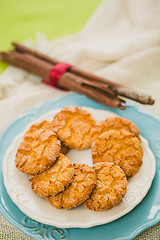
(21, 19)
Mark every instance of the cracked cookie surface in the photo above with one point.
(78, 191)
(116, 123)
(73, 126)
(48, 125)
(110, 189)
(38, 151)
(120, 147)
(55, 179)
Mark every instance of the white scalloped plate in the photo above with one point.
(40, 209)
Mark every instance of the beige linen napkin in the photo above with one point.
(121, 42)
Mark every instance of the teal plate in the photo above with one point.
(143, 216)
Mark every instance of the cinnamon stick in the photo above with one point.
(68, 80)
(73, 69)
(116, 87)
(137, 96)
(27, 62)
(85, 82)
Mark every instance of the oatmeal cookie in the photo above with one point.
(120, 147)
(78, 191)
(73, 126)
(38, 151)
(55, 179)
(115, 123)
(110, 189)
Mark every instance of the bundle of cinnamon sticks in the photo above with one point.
(97, 88)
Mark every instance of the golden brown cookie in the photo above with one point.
(78, 191)
(120, 147)
(73, 126)
(111, 187)
(115, 123)
(55, 179)
(48, 125)
(38, 151)
(40, 125)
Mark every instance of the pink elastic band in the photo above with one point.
(56, 73)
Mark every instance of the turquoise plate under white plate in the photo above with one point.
(144, 215)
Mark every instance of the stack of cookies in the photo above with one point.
(116, 153)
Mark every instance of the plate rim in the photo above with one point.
(129, 104)
(52, 222)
